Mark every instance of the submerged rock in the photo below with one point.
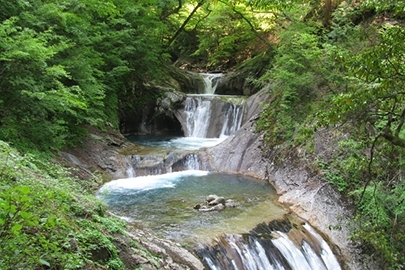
(218, 207)
(230, 203)
(214, 203)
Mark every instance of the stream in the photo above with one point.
(255, 232)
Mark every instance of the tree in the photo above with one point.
(373, 102)
(70, 63)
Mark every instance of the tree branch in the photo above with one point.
(250, 24)
(173, 38)
(166, 13)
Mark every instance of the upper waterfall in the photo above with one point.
(211, 82)
(208, 115)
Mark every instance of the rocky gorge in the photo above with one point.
(300, 186)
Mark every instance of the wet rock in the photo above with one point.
(211, 197)
(213, 203)
(218, 207)
(159, 253)
(218, 200)
(170, 101)
(303, 190)
(230, 203)
(100, 150)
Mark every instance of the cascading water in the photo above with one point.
(209, 115)
(233, 120)
(164, 199)
(198, 113)
(191, 162)
(211, 81)
(276, 245)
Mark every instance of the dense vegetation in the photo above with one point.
(345, 77)
(49, 220)
(64, 65)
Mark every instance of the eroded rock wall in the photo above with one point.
(301, 188)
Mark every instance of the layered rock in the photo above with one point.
(302, 189)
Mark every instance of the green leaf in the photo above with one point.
(16, 228)
(25, 215)
(43, 262)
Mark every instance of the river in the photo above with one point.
(254, 233)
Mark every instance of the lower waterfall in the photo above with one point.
(276, 245)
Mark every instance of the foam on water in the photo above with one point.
(143, 183)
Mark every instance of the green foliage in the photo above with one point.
(296, 74)
(369, 166)
(348, 78)
(47, 220)
(342, 27)
(68, 64)
(380, 6)
(222, 46)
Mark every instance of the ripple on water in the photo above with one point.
(164, 203)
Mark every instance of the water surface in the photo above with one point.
(174, 143)
(164, 203)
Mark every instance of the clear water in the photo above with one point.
(164, 203)
(174, 143)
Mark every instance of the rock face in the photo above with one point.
(300, 188)
(241, 152)
(235, 83)
(100, 152)
(156, 114)
(154, 253)
(184, 81)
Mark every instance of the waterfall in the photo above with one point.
(198, 112)
(276, 245)
(211, 81)
(130, 171)
(211, 116)
(191, 162)
(233, 120)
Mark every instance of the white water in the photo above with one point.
(175, 143)
(233, 120)
(198, 111)
(327, 254)
(294, 256)
(249, 252)
(149, 182)
(194, 143)
(130, 171)
(191, 162)
(211, 81)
